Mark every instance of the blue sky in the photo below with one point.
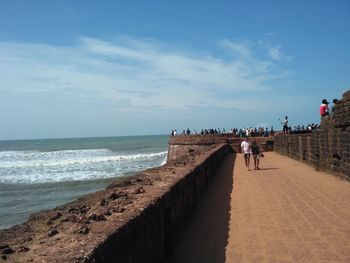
(105, 68)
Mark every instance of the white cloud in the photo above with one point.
(146, 73)
(275, 53)
(238, 49)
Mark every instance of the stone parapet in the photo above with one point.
(341, 115)
(181, 145)
(137, 219)
(326, 148)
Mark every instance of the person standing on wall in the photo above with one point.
(324, 110)
(335, 101)
(245, 147)
(285, 125)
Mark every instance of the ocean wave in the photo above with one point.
(72, 165)
(34, 154)
(62, 158)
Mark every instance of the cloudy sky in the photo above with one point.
(110, 68)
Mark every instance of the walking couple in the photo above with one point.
(251, 148)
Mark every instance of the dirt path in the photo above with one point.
(286, 212)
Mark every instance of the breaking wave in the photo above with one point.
(72, 165)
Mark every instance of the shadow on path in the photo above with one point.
(206, 235)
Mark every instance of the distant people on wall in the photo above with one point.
(245, 147)
(233, 132)
(266, 133)
(285, 125)
(324, 110)
(335, 101)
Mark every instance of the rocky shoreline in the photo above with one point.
(75, 232)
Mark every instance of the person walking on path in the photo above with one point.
(257, 154)
(245, 147)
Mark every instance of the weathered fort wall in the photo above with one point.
(181, 145)
(137, 219)
(326, 148)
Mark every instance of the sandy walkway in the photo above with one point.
(286, 212)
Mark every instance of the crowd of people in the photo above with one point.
(233, 132)
(249, 148)
(252, 148)
(300, 129)
(261, 131)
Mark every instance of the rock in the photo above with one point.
(84, 230)
(97, 217)
(83, 209)
(52, 232)
(103, 202)
(118, 209)
(22, 249)
(107, 212)
(6, 250)
(140, 190)
(58, 215)
(28, 239)
(113, 196)
(116, 195)
(73, 219)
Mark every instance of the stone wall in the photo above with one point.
(327, 148)
(137, 219)
(181, 145)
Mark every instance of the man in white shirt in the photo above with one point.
(285, 125)
(245, 147)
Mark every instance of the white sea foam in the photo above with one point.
(71, 165)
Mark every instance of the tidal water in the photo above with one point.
(42, 174)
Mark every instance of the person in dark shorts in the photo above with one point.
(257, 154)
(245, 147)
(285, 125)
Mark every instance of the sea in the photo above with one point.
(43, 174)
